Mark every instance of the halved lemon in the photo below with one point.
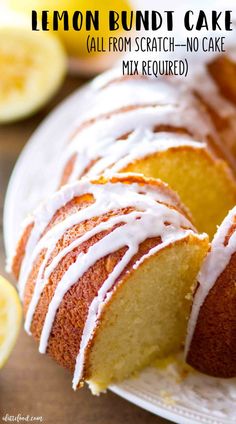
(80, 60)
(33, 65)
(75, 41)
(10, 319)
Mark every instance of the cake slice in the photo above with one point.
(211, 339)
(161, 129)
(106, 269)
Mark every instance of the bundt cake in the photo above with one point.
(106, 270)
(158, 128)
(211, 338)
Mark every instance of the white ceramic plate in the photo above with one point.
(183, 397)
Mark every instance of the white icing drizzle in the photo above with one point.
(151, 144)
(100, 139)
(215, 263)
(148, 218)
(104, 295)
(209, 91)
(134, 107)
(132, 92)
(205, 85)
(131, 234)
(45, 273)
(162, 101)
(107, 200)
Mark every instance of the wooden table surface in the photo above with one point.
(30, 383)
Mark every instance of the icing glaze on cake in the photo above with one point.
(151, 211)
(215, 263)
(134, 109)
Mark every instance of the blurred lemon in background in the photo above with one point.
(32, 66)
(75, 41)
(33, 63)
(10, 319)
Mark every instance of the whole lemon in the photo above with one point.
(75, 41)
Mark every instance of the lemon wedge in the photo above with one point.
(32, 67)
(10, 319)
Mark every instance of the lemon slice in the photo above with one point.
(10, 319)
(32, 65)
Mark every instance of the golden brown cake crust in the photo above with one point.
(20, 250)
(65, 337)
(121, 282)
(213, 346)
(223, 70)
(64, 341)
(83, 201)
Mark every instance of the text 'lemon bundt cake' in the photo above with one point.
(106, 269)
(211, 340)
(159, 128)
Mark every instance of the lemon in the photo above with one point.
(75, 41)
(10, 319)
(32, 68)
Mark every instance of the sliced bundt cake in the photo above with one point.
(211, 340)
(106, 269)
(159, 129)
